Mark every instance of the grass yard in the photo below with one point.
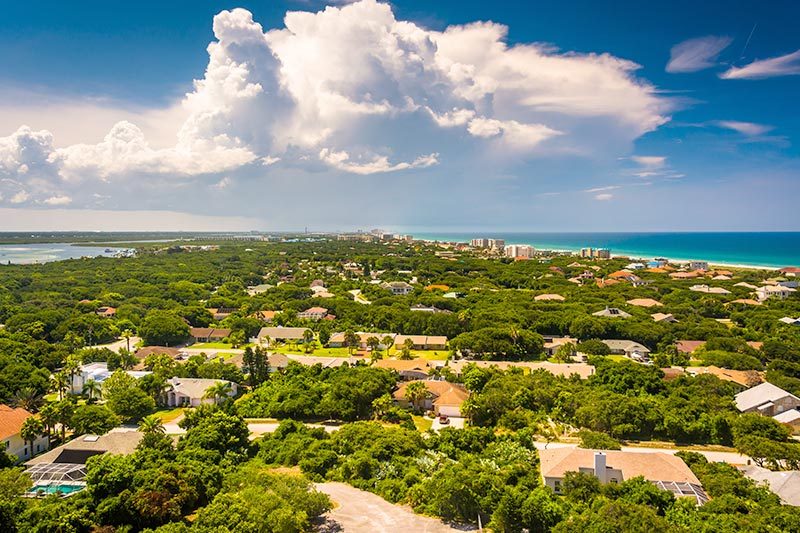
(215, 346)
(169, 415)
(423, 424)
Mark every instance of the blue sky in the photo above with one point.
(558, 116)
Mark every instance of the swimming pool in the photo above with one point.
(56, 488)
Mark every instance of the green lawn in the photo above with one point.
(215, 346)
(169, 415)
(423, 424)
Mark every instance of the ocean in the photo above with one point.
(763, 249)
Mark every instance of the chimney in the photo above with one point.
(600, 466)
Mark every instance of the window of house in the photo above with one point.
(613, 480)
(557, 486)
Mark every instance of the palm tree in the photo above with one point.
(308, 338)
(32, 428)
(127, 334)
(91, 388)
(151, 425)
(28, 398)
(61, 383)
(218, 391)
(49, 416)
(416, 392)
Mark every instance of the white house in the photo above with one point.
(766, 399)
(774, 291)
(192, 392)
(11, 420)
(97, 372)
(398, 288)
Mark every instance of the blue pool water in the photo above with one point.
(53, 489)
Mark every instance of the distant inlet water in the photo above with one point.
(25, 254)
(766, 249)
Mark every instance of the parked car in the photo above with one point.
(443, 419)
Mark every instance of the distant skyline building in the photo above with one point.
(497, 244)
(479, 243)
(595, 253)
(519, 250)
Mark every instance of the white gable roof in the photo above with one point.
(759, 395)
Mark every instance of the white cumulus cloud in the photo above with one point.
(341, 87)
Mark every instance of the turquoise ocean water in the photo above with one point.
(778, 249)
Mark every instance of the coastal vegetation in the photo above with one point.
(214, 478)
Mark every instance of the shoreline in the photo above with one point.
(634, 256)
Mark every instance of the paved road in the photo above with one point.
(116, 346)
(715, 457)
(358, 511)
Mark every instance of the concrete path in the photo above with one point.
(715, 457)
(358, 511)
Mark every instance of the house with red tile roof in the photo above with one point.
(11, 420)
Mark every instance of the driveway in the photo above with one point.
(358, 511)
(455, 422)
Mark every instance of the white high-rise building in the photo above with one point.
(519, 250)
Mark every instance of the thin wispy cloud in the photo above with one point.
(600, 189)
(649, 161)
(697, 54)
(604, 196)
(786, 65)
(750, 129)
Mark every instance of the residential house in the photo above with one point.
(664, 470)
(422, 342)
(766, 399)
(745, 285)
(11, 421)
(774, 291)
(221, 313)
(277, 361)
(97, 372)
(630, 349)
(745, 378)
(106, 311)
(789, 418)
(549, 298)
(280, 334)
(255, 290)
(744, 301)
(612, 312)
(408, 369)
(64, 467)
(688, 347)
(785, 484)
(789, 320)
(685, 275)
(443, 398)
(428, 309)
(397, 288)
(635, 266)
(337, 340)
(553, 343)
(313, 313)
(209, 334)
(193, 392)
(664, 317)
(582, 370)
(709, 290)
(644, 302)
(265, 316)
